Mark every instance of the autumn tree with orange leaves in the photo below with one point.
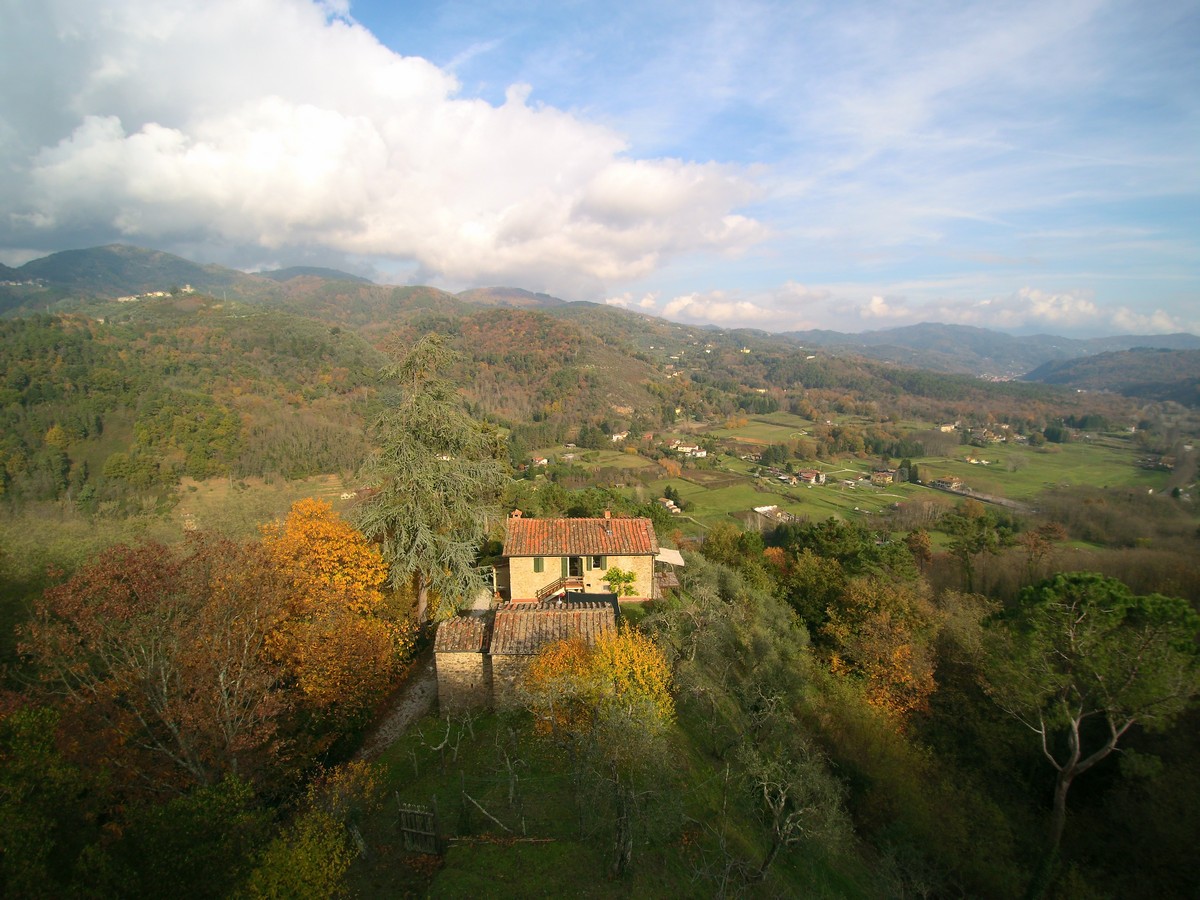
(178, 666)
(340, 640)
(883, 632)
(161, 657)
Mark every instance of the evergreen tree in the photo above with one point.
(433, 484)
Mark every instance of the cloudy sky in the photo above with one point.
(782, 165)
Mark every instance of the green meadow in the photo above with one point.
(1021, 472)
(772, 428)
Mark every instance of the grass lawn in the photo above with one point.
(550, 836)
(596, 459)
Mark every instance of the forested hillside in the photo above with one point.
(99, 412)
(1144, 373)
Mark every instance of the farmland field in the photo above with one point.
(1013, 471)
(772, 428)
(1021, 472)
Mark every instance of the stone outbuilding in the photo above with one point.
(459, 658)
(480, 660)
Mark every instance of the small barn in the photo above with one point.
(463, 677)
(480, 660)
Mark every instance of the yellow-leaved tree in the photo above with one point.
(611, 704)
(341, 640)
(883, 632)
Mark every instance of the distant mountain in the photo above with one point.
(117, 270)
(1145, 373)
(978, 351)
(64, 281)
(507, 296)
(312, 272)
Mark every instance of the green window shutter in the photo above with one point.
(565, 570)
(604, 564)
(539, 564)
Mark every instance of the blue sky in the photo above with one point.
(1021, 166)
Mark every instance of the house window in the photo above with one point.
(598, 563)
(539, 564)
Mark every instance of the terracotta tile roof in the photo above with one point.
(461, 635)
(522, 629)
(580, 537)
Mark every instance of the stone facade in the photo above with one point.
(507, 674)
(464, 672)
(525, 582)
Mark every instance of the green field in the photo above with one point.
(1021, 472)
(727, 486)
(772, 428)
(595, 459)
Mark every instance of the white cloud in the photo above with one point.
(1158, 322)
(794, 306)
(718, 308)
(878, 308)
(627, 301)
(1067, 308)
(284, 124)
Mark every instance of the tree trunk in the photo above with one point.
(1058, 819)
(761, 874)
(1043, 875)
(623, 838)
(422, 599)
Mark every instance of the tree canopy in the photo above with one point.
(433, 484)
(1081, 660)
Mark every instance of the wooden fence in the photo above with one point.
(419, 825)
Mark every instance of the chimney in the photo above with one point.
(515, 514)
(608, 514)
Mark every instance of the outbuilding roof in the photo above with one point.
(461, 635)
(580, 537)
(522, 629)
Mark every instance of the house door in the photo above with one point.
(575, 567)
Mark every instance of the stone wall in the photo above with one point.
(507, 673)
(464, 680)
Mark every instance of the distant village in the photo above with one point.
(132, 298)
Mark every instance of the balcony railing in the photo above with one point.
(562, 584)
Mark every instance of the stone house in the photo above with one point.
(548, 558)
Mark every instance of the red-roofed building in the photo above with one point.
(549, 557)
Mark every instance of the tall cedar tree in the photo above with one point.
(433, 484)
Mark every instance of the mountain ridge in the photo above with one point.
(63, 281)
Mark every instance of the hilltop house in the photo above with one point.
(548, 558)
(556, 590)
